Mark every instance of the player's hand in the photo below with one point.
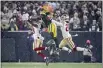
(42, 38)
(45, 29)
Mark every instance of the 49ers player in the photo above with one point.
(67, 38)
(38, 41)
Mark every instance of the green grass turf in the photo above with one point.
(51, 65)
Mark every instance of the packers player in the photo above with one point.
(49, 25)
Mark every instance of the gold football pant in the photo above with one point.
(52, 28)
(67, 41)
(37, 43)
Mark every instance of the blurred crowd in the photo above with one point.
(83, 15)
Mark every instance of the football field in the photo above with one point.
(51, 65)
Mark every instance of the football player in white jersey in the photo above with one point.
(67, 38)
(38, 42)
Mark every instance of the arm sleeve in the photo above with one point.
(57, 23)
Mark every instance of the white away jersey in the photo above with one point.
(36, 33)
(64, 28)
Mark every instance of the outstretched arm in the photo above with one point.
(57, 23)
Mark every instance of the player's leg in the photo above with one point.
(43, 55)
(36, 46)
(52, 29)
(37, 43)
(63, 44)
(72, 45)
(39, 47)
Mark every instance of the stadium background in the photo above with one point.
(16, 45)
